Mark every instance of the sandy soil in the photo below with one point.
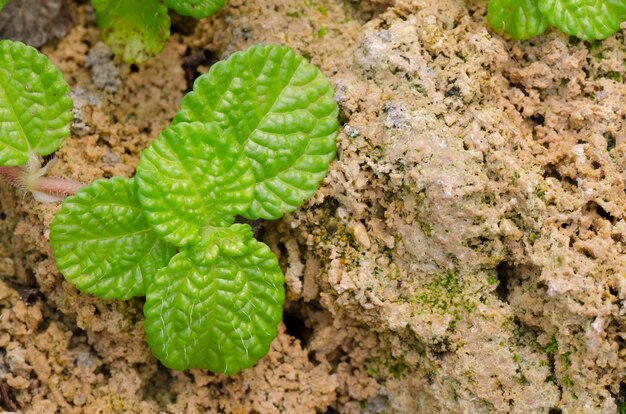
(465, 253)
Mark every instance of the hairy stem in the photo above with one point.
(13, 175)
(56, 187)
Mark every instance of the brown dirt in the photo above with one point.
(464, 255)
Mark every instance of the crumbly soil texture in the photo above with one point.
(465, 253)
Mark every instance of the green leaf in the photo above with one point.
(228, 241)
(35, 107)
(281, 109)
(195, 8)
(103, 244)
(221, 317)
(585, 19)
(135, 29)
(619, 8)
(2, 3)
(192, 176)
(520, 19)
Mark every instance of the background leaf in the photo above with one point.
(222, 317)
(193, 175)
(520, 19)
(585, 19)
(282, 111)
(135, 30)
(195, 8)
(103, 244)
(35, 107)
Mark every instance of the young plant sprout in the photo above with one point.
(584, 19)
(137, 30)
(253, 139)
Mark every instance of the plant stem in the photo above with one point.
(13, 175)
(56, 187)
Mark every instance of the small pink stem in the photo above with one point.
(58, 186)
(49, 185)
(14, 175)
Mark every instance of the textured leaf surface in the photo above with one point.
(103, 244)
(221, 317)
(193, 175)
(619, 8)
(195, 8)
(135, 30)
(520, 19)
(227, 241)
(282, 111)
(585, 19)
(35, 107)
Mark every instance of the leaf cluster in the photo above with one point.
(253, 139)
(584, 19)
(137, 30)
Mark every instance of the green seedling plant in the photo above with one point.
(584, 19)
(253, 139)
(138, 29)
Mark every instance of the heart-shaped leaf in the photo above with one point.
(133, 29)
(282, 111)
(222, 316)
(192, 176)
(520, 19)
(585, 19)
(35, 107)
(195, 8)
(103, 244)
